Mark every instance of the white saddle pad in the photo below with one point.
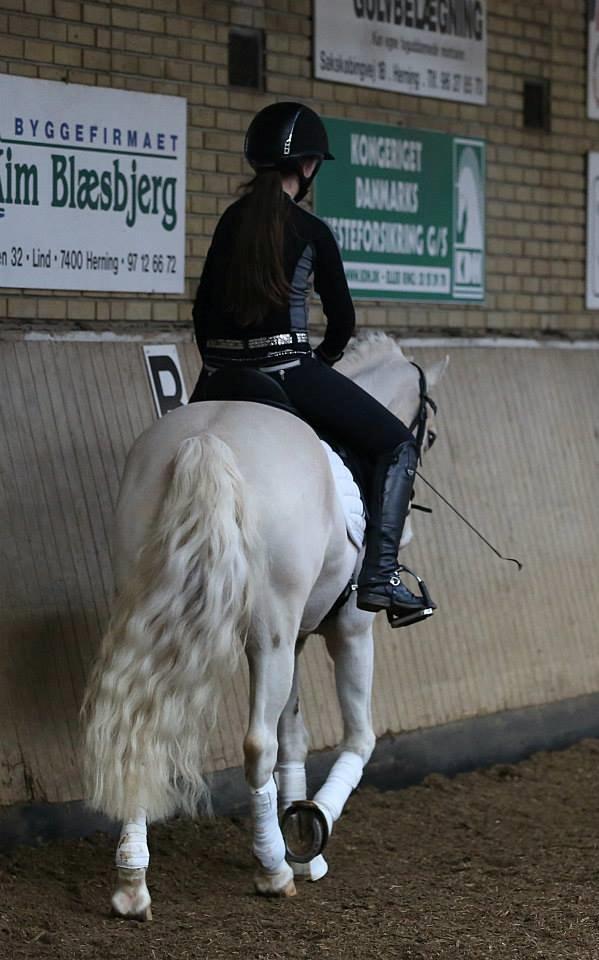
(349, 495)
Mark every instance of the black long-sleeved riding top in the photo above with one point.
(310, 250)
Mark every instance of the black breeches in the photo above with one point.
(337, 406)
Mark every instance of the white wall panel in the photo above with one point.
(518, 451)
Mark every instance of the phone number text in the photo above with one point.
(75, 259)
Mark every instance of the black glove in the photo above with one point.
(325, 358)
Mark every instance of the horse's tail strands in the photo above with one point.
(178, 623)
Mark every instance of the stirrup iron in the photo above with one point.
(399, 617)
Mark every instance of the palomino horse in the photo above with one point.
(230, 537)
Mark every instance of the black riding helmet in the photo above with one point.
(281, 135)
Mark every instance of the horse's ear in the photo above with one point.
(434, 373)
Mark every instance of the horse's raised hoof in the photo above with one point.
(305, 831)
(279, 884)
(315, 870)
(131, 900)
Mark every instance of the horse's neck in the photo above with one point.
(393, 384)
(379, 380)
(378, 366)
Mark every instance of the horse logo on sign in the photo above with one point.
(468, 220)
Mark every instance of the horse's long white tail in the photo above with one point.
(179, 623)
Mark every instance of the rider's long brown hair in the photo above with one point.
(257, 281)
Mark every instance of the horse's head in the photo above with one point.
(432, 375)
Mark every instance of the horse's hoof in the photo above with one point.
(279, 884)
(315, 870)
(131, 899)
(142, 916)
(305, 831)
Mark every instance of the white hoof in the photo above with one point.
(315, 870)
(279, 884)
(131, 899)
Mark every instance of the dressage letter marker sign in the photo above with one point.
(166, 378)
(407, 208)
(92, 188)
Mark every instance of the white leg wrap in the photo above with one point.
(344, 777)
(269, 846)
(291, 781)
(132, 852)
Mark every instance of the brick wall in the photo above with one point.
(535, 181)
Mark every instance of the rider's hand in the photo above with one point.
(324, 358)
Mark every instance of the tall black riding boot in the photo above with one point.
(380, 586)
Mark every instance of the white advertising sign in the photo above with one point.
(428, 48)
(593, 59)
(92, 188)
(592, 299)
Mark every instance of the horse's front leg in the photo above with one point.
(132, 898)
(271, 674)
(291, 767)
(350, 644)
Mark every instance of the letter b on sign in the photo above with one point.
(166, 379)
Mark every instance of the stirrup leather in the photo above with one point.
(403, 616)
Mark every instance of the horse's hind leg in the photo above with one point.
(291, 768)
(132, 898)
(271, 673)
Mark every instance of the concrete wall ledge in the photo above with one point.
(397, 762)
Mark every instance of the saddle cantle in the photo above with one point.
(247, 383)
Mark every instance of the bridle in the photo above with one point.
(418, 424)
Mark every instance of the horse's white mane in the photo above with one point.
(368, 350)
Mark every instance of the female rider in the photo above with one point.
(251, 309)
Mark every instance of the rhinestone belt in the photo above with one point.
(259, 343)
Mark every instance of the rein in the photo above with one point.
(419, 424)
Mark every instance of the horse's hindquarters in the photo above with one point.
(179, 621)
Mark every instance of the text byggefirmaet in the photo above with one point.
(96, 203)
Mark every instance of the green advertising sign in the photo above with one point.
(407, 208)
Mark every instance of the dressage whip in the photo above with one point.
(467, 522)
